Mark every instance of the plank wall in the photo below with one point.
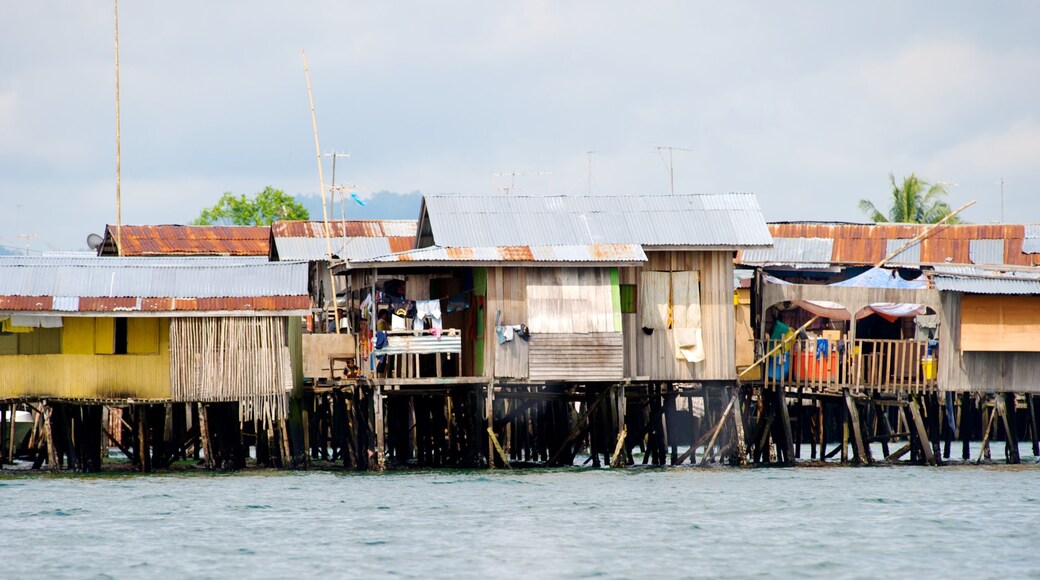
(960, 371)
(84, 369)
(653, 356)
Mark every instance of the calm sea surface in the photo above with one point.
(716, 522)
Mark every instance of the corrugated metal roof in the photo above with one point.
(1031, 243)
(178, 240)
(796, 252)
(724, 220)
(348, 228)
(124, 305)
(986, 285)
(863, 244)
(595, 253)
(910, 255)
(80, 259)
(101, 278)
(986, 251)
(315, 249)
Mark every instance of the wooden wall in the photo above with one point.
(993, 323)
(653, 355)
(573, 315)
(82, 372)
(980, 371)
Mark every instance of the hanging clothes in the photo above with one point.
(428, 309)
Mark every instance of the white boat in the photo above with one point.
(23, 422)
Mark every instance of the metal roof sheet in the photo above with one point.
(100, 278)
(986, 251)
(178, 240)
(723, 220)
(910, 255)
(867, 243)
(595, 253)
(986, 285)
(796, 252)
(345, 228)
(80, 259)
(1031, 243)
(316, 249)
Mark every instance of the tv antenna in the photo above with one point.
(512, 178)
(670, 163)
(333, 189)
(28, 239)
(1001, 200)
(590, 154)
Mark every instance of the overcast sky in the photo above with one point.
(810, 105)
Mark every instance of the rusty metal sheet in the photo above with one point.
(178, 240)
(25, 302)
(348, 228)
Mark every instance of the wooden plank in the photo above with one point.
(1000, 323)
(922, 433)
(857, 435)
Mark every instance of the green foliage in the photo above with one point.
(915, 201)
(264, 209)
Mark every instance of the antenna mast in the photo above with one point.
(321, 185)
(590, 154)
(671, 164)
(512, 177)
(119, 198)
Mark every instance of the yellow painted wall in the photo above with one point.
(80, 373)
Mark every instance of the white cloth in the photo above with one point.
(32, 321)
(396, 322)
(688, 344)
(428, 308)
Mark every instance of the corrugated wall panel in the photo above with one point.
(591, 357)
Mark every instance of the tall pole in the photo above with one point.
(119, 198)
(1001, 200)
(590, 153)
(321, 185)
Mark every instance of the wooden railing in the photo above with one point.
(880, 365)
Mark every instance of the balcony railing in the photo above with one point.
(879, 365)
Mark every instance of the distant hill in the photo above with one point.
(385, 205)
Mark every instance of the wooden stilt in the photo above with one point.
(204, 435)
(48, 430)
(1031, 408)
(922, 433)
(785, 421)
(380, 429)
(857, 433)
(987, 429)
(1005, 404)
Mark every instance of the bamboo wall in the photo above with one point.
(653, 356)
(233, 359)
(959, 371)
(86, 370)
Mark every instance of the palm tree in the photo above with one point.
(914, 202)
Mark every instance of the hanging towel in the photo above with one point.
(32, 321)
(823, 348)
(688, 344)
(396, 322)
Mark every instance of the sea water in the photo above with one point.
(823, 522)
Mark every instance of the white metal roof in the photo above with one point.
(716, 220)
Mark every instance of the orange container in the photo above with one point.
(807, 367)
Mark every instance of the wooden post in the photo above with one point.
(489, 420)
(964, 425)
(1031, 407)
(857, 434)
(1010, 435)
(738, 423)
(785, 419)
(379, 427)
(48, 431)
(987, 429)
(207, 444)
(922, 433)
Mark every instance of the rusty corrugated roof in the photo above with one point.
(178, 240)
(345, 229)
(863, 244)
(589, 253)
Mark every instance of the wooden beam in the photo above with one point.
(922, 433)
(857, 434)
